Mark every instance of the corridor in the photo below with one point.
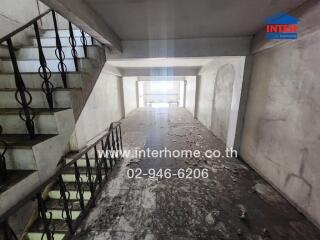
(234, 202)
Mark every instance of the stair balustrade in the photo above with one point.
(22, 95)
(111, 141)
(44, 72)
(73, 44)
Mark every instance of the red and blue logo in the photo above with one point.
(281, 26)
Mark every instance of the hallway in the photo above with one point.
(232, 203)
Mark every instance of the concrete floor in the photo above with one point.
(233, 203)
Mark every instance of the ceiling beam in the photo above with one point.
(194, 47)
(160, 71)
(80, 14)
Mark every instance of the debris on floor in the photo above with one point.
(232, 203)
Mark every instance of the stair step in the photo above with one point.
(62, 98)
(57, 204)
(36, 230)
(30, 53)
(85, 65)
(14, 177)
(82, 170)
(82, 163)
(55, 194)
(33, 80)
(71, 186)
(20, 153)
(63, 33)
(51, 41)
(71, 177)
(60, 225)
(4, 52)
(44, 121)
(57, 214)
(39, 236)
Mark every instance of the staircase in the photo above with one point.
(43, 89)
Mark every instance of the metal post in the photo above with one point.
(73, 45)
(44, 72)
(22, 95)
(79, 186)
(89, 176)
(103, 158)
(59, 53)
(46, 222)
(98, 164)
(84, 43)
(65, 196)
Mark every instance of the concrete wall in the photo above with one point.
(281, 130)
(220, 85)
(222, 98)
(191, 94)
(14, 14)
(102, 107)
(130, 94)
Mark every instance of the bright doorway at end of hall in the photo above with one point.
(161, 93)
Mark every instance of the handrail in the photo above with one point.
(83, 151)
(28, 24)
(113, 126)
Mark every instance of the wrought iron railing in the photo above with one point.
(109, 142)
(22, 95)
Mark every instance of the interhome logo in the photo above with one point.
(281, 26)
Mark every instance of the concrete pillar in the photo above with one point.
(184, 93)
(243, 101)
(196, 108)
(137, 94)
(123, 110)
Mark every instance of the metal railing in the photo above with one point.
(22, 95)
(109, 142)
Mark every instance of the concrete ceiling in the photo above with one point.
(176, 19)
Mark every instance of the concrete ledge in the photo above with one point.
(163, 71)
(198, 47)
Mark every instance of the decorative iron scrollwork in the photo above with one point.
(22, 95)
(84, 42)
(44, 72)
(89, 176)
(59, 53)
(46, 218)
(79, 186)
(73, 44)
(98, 166)
(65, 198)
(104, 159)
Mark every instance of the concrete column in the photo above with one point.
(123, 110)
(184, 93)
(243, 101)
(137, 94)
(196, 105)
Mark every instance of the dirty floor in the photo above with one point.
(232, 203)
